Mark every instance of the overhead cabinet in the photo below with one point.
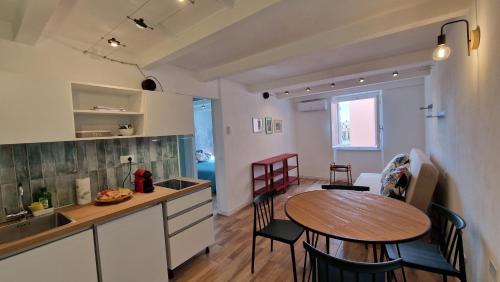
(34, 110)
(167, 114)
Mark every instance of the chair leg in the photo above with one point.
(445, 278)
(272, 244)
(375, 259)
(327, 244)
(253, 253)
(305, 259)
(292, 249)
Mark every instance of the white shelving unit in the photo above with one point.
(88, 96)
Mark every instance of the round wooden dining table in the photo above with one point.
(357, 216)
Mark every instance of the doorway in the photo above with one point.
(204, 141)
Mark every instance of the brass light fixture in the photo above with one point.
(443, 51)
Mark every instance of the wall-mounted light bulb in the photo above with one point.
(361, 80)
(395, 74)
(287, 92)
(332, 84)
(308, 89)
(442, 51)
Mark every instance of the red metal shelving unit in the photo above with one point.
(276, 179)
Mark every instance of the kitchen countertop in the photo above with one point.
(84, 217)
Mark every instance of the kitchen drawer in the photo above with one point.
(185, 202)
(185, 219)
(189, 242)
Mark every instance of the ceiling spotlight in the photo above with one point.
(308, 89)
(114, 43)
(140, 23)
(287, 92)
(203, 106)
(332, 84)
(361, 80)
(395, 74)
(182, 1)
(442, 51)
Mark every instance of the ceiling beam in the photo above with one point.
(399, 62)
(392, 21)
(32, 20)
(172, 48)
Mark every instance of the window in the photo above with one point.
(355, 121)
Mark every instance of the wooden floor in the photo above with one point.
(230, 258)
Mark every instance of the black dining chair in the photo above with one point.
(265, 225)
(329, 268)
(444, 254)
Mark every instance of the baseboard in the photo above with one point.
(234, 210)
(314, 178)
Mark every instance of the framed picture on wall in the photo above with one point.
(269, 125)
(258, 125)
(278, 126)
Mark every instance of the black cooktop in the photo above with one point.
(176, 184)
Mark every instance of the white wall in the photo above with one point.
(465, 143)
(242, 146)
(59, 62)
(403, 125)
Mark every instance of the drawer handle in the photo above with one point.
(188, 209)
(190, 225)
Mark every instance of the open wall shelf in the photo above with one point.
(273, 174)
(87, 96)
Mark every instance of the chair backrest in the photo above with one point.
(263, 210)
(345, 187)
(447, 229)
(329, 268)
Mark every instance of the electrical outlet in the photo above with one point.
(492, 269)
(124, 159)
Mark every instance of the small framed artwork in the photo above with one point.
(278, 126)
(269, 125)
(258, 124)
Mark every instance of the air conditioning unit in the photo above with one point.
(312, 105)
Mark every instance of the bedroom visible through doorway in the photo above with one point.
(204, 141)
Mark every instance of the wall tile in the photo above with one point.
(35, 161)
(7, 171)
(48, 160)
(56, 165)
(9, 198)
(91, 154)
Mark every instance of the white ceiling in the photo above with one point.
(258, 43)
(279, 24)
(391, 45)
(87, 21)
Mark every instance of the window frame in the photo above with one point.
(378, 120)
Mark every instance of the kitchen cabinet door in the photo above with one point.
(35, 110)
(68, 259)
(132, 248)
(167, 114)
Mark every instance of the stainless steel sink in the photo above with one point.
(27, 227)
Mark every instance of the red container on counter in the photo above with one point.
(143, 181)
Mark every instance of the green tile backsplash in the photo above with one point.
(57, 165)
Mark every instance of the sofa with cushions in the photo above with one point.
(423, 180)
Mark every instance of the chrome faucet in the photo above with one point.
(21, 212)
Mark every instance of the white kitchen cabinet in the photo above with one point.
(167, 114)
(68, 259)
(34, 110)
(190, 226)
(132, 248)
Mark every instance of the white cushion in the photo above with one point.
(372, 180)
